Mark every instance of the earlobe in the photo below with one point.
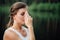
(14, 17)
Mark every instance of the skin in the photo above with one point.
(19, 20)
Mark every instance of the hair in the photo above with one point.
(13, 11)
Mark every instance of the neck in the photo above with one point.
(17, 26)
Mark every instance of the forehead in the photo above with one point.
(22, 10)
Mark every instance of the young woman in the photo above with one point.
(18, 17)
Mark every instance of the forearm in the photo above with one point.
(31, 33)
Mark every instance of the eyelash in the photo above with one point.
(22, 14)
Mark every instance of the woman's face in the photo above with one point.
(19, 17)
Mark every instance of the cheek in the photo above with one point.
(19, 18)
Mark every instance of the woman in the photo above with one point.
(18, 17)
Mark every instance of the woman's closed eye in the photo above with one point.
(23, 13)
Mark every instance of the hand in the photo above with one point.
(28, 20)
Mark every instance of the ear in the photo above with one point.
(14, 17)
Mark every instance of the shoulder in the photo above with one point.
(10, 35)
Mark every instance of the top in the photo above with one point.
(19, 34)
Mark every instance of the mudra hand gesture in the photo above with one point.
(28, 20)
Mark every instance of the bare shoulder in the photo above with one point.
(10, 35)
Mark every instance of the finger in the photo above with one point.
(26, 15)
(30, 17)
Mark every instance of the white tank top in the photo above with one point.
(19, 34)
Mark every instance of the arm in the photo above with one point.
(28, 23)
(31, 32)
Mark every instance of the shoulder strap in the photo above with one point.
(17, 33)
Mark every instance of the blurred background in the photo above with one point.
(45, 13)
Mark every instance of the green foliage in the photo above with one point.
(45, 10)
